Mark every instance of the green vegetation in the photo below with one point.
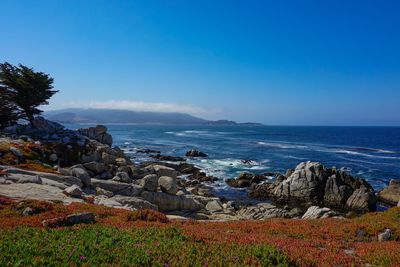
(98, 246)
(22, 91)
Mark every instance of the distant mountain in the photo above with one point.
(77, 115)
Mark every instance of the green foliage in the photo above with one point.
(23, 91)
(99, 246)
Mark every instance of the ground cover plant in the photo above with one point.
(145, 238)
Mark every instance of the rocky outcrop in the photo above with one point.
(391, 194)
(262, 211)
(311, 182)
(118, 188)
(149, 182)
(98, 133)
(168, 185)
(167, 202)
(245, 179)
(195, 154)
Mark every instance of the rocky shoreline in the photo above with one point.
(45, 161)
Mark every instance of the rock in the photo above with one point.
(195, 153)
(362, 200)
(43, 125)
(118, 188)
(103, 192)
(29, 179)
(149, 182)
(315, 212)
(312, 183)
(82, 174)
(214, 206)
(120, 161)
(385, 235)
(95, 167)
(18, 153)
(98, 133)
(262, 211)
(391, 194)
(134, 202)
(27, 212)
(122, 177)
(398, 204)
(167, 202)
(73, 191)
(161, 170)
(70, 220)
(245, 179)
(168, 185)
(167, 158)
(53, 157)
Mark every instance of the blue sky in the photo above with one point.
(277, 62)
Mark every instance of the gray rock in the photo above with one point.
(82, 174)
(108, 158)
(98, 133)
(161, 170)
(27, 212)
(362, 200)
(30, 179)
(195, 153)
(118, 188)
(385, 235)
(168, 185)
(315, 212)
(122, 177)
(120, 161)
(103, 192)
(73, 191)
(95, 167)
(214, 206)
(167, 202)
(149, 182)
(262, 211)
(53, 157)
(85, 217)
(134, 202)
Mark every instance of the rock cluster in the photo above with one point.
(311, 182)
(391, 194)
(98, 133)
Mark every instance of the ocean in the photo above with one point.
(372, 153)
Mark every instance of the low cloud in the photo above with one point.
(142, 106)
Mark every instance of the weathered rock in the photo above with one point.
(195, 153)
(70, 220)
(102, 192)
(118, 188)
(53, 157)
(262, 211)
(16, 152)
(167, 202)
(149, 182)
(214, 206)
(73, 191)
(98, 133)
(37, 179)
(135, 202)
(311, 182)
(385, 235)
(362, 200)
(391, 194)
(245, 179)
(95, 167)
(315, 212)
(168, 185)
(108, 158)
(82, 174)
(121, 161)
(161, 170)
(122, 177)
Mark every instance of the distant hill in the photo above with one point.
(77, 115)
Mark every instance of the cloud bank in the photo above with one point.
(142, 106)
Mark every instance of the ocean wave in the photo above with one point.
(281, 145)
(349, 152)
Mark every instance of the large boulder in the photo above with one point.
(95, 167)
(161, 170)
(312, 183)
(262, 211)
(245, 179)
(81, 174)
(149, 182)
(98, 133)
(168, 185)
(118, 188)
(73, 191)
(167, 202)
(391, 194)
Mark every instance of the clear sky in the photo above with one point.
(303, 62)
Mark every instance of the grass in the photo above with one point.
(146, 238)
